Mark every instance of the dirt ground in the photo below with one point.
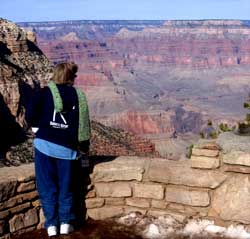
(100, 230)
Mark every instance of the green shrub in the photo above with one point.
(189, 151)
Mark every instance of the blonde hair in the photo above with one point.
(65, 73)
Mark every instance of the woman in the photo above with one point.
(60, 112)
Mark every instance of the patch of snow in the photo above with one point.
(130, 219)
(167, 220)
(196, 226)
(152, 231)
(237, 232)
(161, 227)
(213, 229)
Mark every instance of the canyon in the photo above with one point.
(24, 69)
(158, 79)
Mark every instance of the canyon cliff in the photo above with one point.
(25, 69)
(155, 77)
(23, 66)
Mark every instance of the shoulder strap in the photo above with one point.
(84, 125)
(58, 103)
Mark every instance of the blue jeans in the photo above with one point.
(54, 179)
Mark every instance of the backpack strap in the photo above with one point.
(83, 124)
(58, 103)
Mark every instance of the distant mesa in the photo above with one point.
(72, 36)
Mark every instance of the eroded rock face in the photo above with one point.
(23, 66)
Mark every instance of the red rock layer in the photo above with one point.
(119, 57)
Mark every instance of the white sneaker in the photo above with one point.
(52, 231)
(66, 228)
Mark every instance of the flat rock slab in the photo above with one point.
(10, 176)
(205, 152)
(230, 141)
(181, 173)
(23, 173)
(120, 169)
(236, 169)
(187, 196)
(204, 162)
(237, 158)
(209, 144)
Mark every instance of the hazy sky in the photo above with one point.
(47, 10)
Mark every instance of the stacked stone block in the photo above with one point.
(19, 204)
(205, 155)
(153, 187)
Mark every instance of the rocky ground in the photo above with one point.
(109, 229)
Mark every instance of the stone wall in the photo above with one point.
(20, 209)
(213, 184)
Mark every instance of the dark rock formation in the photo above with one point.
(22, 67)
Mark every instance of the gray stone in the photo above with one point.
(138, 202)
(23, 173)
(159, 204)
(21, 221)
(187, 196)
(209, 144)
(236, 169)
(181, 173)
(115, 201)
(104, 212)
(204, 162)
(16, 223)
(230, 141)
(116, 189)
(19, 208)
(9, 176)
(27, 186)
(94, 202)
(205, 152)
(231, 200)
(155, 191)
(30, 217)
(7, 189)
(121, 169)
(180, 217)
(237, 158)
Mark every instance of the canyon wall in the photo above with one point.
(22, 66)
(213, 185)
(138, 74)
